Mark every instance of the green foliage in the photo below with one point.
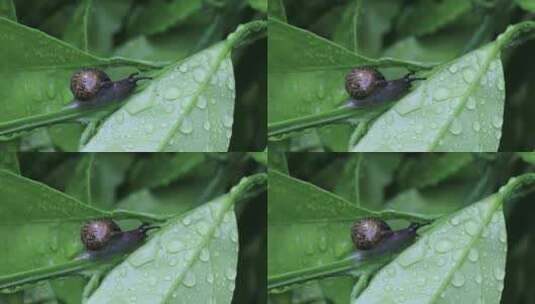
(462, 254)
(459, 106)
(194, 254)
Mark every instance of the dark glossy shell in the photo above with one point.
(368, 232)
(86, 83)
(361, 82)
(96, 234)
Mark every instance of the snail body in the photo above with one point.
(373, 237)
(367, 86)
(94, 87)
(104, 239)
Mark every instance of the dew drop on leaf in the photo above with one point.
(206, 125)
(499, 274)
(471, 227)
(186, 127)
(469, 75)
(456, 128)
(172, 93)
(458, 280)
(441, 94)
(174, 246)
(473, 255)
(471, 104)
(228, 120)
(476, 126)
(189, 280)
(443, 245)
(205, 255)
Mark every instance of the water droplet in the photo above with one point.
(202, 228)
(453, 68)
(497, 121)
(469, 75)
(471, 104)
(205, 255)
(227, 121)
(230, 273)
(443, 245)
(454, 221)
(186, 221)
(441, 94)
(471, 227)
(202, 102)
(476, 126)
(441, 262)
(206, 125)
(210, 277)
(473, 255)
(183, 68)
(172, 93)
(199, 74)
(479, 279)
(189, 280)
(174, 246)
(458, 279)
(501, 85)
(503, 236)
(499, 274)
(186, 127)
(456, 128)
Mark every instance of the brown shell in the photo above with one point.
(363, 81)
(86, 83)
(96, 234)
(368, 232)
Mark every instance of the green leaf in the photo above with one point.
(460, 259)
(7, 9)
(97, 178)
(277, 161)
(40, 225)
(528, 5)
(76, 31)
(162, 169)
(458, 108)
(425, 17)
(432, 168)
(188, 108)
(527, 157)
(36, 70)
(159, 15)
(308, 226)
(192, 259)
(260, 5)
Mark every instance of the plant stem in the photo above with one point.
(331, 269)
(32, 122)
(511, 190)
(38, 274)
(246, 184)
(317, 120)
(243, 32)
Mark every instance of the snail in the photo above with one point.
(92, 86)
(367, 86)
(373, 237)
(103, 238)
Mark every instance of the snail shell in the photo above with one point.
(368, 232)
(97, 233)
(87, 83)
